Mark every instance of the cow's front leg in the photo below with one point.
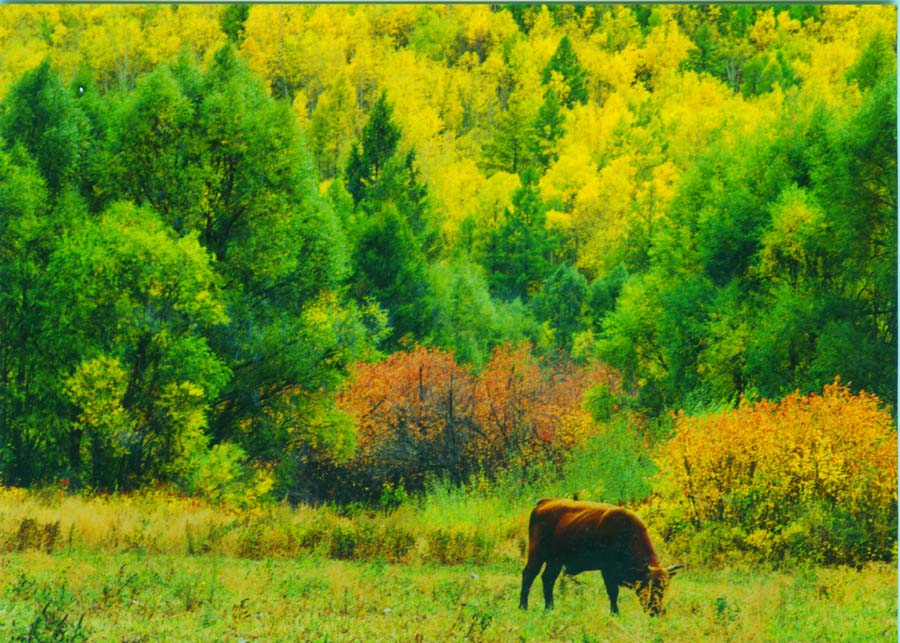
(551, 572)
(528, 575)
(612, 590)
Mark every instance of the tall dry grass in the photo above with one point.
(451, 528)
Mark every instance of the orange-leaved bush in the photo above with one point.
(809, 477)
(527, 418)
(413, 415)
(420, 414)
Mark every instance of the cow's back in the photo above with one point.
(553, 515)
(560, 529)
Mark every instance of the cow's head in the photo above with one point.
(651, 589)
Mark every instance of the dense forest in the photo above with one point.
(332, 252)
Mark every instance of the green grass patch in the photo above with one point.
(136, 597)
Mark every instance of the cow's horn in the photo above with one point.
(673, 568)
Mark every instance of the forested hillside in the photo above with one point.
(336, 251)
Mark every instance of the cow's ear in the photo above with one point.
(673, 569)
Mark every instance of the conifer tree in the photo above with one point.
(548, 129)
(379, 142)
(560, 303)
(517, 252)
(565, 63)
(389, 267)
(378, 177)
(232, 20)
(511, 148)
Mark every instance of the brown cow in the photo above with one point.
(585, 536)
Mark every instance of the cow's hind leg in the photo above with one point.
(551, 572)
(528, 575)
(612, 590)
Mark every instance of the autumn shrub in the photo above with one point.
(809, 477)
(528, 417)
(411, 411)
(420, 415)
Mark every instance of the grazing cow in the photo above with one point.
(585, 536)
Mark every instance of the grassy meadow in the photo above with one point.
(139, 597)
(157, 568)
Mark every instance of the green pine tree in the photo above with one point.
(548, 129)
(512, 145)
(517, 253)
(379, 142)
(565, 63)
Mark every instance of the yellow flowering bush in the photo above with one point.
(811, 477)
